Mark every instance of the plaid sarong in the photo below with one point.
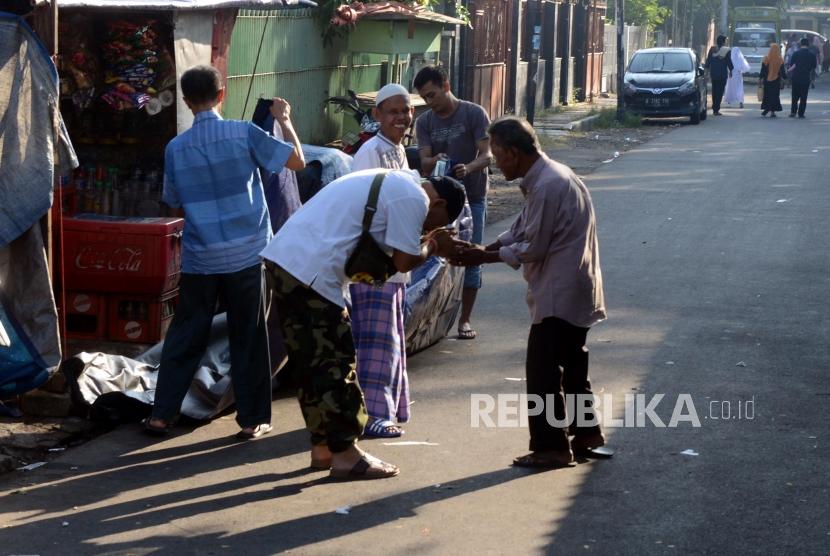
(379, 337)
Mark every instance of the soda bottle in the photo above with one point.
(114, 191)
(80, 189)
(89, 196)
(106, 198)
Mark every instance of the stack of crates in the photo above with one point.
(121, 276)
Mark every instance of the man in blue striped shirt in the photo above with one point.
(211, 172)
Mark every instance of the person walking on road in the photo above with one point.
(719, 64)
(455, 131)
(554, 239)
(212, 172)
(771, 80)
(734, 94)
(377, 312)
(305, 268)
(802, 66)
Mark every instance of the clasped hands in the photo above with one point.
(458, 252)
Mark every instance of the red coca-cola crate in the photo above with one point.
(138, 318)
(86, 316)
(123, 255)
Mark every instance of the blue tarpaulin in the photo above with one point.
(30, 123)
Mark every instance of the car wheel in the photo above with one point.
(703, 113)
(694, 119)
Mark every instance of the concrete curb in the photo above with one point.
(584, 124)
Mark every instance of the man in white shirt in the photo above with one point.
(305, 270)
(377, 311)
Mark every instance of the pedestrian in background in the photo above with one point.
(816, 52)
(377, 311)
(554, 241)
(825, 57)
(802, 68)
(719, 64)
(455, 131)
(771, 79)
(212, 172)
(735, 84)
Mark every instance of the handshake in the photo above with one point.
(458, 252)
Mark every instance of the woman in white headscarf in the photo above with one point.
(735, 85)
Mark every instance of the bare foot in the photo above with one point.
(320, 457)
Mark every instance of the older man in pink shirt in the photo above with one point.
(554, 240)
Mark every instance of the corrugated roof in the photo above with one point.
(425, 15)
(182, 4)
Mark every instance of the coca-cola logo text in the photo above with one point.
(120, 259)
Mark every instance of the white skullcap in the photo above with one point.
(390, 90)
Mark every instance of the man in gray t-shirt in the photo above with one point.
(456, 131)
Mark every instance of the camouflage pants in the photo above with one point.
(318, 338)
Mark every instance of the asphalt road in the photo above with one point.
(714, 250)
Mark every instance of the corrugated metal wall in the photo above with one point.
(293, 64)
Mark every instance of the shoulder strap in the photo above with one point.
(372, 203)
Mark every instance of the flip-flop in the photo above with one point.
(466, 332)
(153, 430)
(364, 471)
(380, 428)
(256, 432)
(534, 460)
(600, 452)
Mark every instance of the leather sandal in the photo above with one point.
(363, 470)
(541, 460)
(591, 446)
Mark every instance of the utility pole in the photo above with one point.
(674, 25)
(619, 17)
(724, 15)
(534, 30)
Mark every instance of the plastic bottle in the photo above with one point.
(89, 197)
(141, 313)
(80, 189)
(106, 199)
(114, 191)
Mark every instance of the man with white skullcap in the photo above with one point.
(393, 111)
(377, 312)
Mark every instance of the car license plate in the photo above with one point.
(657, 102)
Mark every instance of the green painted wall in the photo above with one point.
(293, 64)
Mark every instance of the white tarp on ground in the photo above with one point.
(210, 392)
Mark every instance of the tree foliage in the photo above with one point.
(641, 12)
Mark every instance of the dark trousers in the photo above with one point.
(189, 333)
(557, 365)
(718, 87)
(321, 353)
(799, 97)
